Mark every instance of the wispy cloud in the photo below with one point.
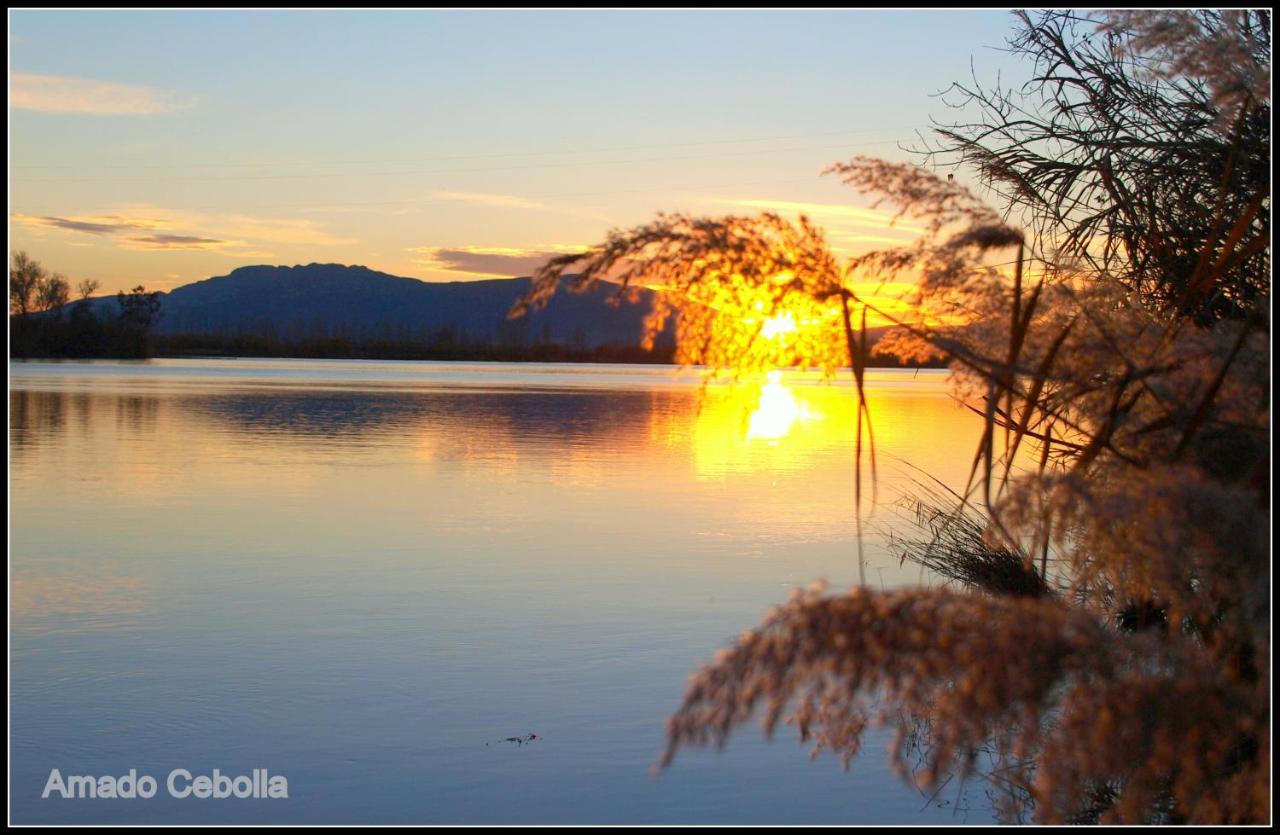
(505, 201)
(125, 231)
(512, 201)
(848, 219)
(63, 94)
(490, 262)
(272, 230)
(151, 228)
(173, 242)
(92, 224)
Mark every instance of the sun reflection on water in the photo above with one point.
(777, 411)
(769, 425)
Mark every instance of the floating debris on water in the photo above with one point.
(521, 740)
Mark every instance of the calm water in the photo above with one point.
(365, 575)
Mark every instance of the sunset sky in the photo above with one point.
(165, 147)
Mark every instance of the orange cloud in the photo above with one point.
(489, 262)
(172, 242)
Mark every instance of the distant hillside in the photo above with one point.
(331, 310)
(333, 300)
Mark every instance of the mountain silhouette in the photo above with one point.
(326, 300)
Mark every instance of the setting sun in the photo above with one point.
(779, 325)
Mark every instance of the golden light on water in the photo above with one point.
(793, 421)
(778, 422)
(777, 411)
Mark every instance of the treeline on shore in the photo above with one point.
(385, 348)
(76, 331)
(44, 323)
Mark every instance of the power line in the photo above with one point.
(468, 156)
(421, 200)
(404, 172)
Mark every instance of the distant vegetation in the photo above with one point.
(318, 311)
(441, 347)
(43, 323)
(323, 311)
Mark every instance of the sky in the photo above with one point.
(164, 147)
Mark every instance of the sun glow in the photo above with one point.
(779, 325)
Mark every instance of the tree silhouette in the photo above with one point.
(25, 279)
(86, 288)
(139, 308)
(33, 289)
(53, 292)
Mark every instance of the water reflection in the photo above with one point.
(780, 449)
(360, 586)
(776, 411)
(750, 429)
(69, 596)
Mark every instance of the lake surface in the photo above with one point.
(364, 576)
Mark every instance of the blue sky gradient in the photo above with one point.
(448, 145)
